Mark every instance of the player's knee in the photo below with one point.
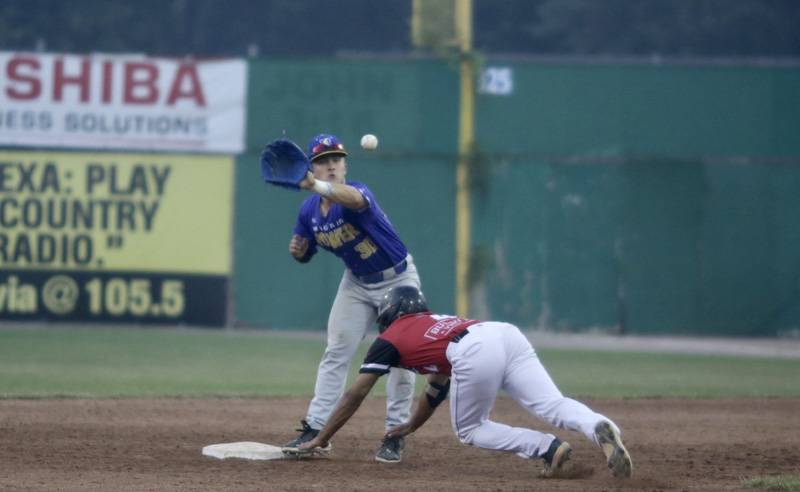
(466, 434)
(340, 350)
(334, 361)
(404, 377)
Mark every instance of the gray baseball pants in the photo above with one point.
(353, 313)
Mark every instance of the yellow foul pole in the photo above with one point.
(416, 23)
(466, 138)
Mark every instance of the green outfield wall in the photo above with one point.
(633, 197)
(642, 198)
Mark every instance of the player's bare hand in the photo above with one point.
(308, 182)
(399, 431)
(311, 445)
(298, 246)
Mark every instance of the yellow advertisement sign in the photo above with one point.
(114, 212)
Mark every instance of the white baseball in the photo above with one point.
(369, 142)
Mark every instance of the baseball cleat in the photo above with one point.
(292, 449)
(391, 450)
(555, 458)
(617, 457)
(306, 434)
(318, 452)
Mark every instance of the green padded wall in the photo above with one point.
(642, 198)
(639, 198)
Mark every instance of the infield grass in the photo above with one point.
(137, 362)
(788, 483)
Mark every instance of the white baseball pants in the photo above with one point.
(495, 356)
(353, 313)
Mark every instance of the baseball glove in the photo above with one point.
(284, 164)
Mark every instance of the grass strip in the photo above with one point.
(786, 483)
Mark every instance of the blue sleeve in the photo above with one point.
(369, 197)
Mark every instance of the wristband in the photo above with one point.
(322, 188)
(436, 393)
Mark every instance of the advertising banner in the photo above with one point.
(122, 102)
(111, 237)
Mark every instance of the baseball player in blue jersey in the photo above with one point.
(344, 217)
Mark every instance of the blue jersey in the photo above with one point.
(364, 239)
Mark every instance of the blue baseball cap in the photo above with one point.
(325, 144)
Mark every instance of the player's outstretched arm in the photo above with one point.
(347, 406)
(435, 393)
(343, 194)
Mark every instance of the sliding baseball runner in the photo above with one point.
(473, 360)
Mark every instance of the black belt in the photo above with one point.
(374, 278)
(458, 337)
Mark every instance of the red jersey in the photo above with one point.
(416, 342)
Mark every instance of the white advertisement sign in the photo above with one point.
(122, 102)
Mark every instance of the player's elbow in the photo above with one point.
(354, 200)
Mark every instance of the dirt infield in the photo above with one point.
(155, 444)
